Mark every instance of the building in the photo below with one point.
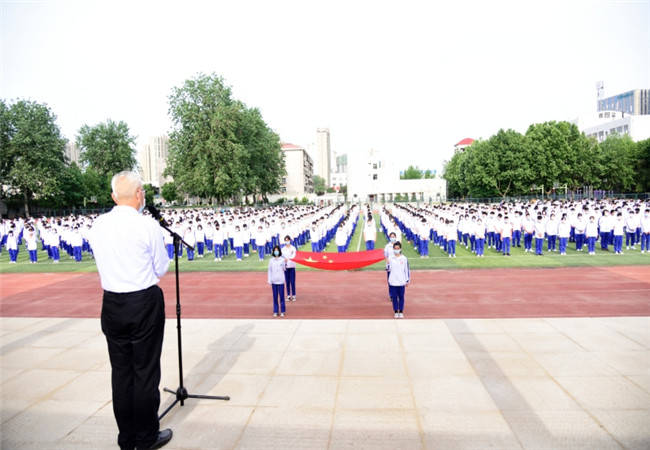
(153, 161)
(626, 113)
(462, 145)
(323, 154)
(339, 174)
(373, 178)
(635, 102)
(72, 153)
(299, 180)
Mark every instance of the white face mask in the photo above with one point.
(144, 202)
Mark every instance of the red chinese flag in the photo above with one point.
(339, 261)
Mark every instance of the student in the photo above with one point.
(479, 236)
(605, 225)
(237, 242)
(398, 279)
(276, 278)
(32, 246)
(260, 241)
(645, 232)
(289, 252)
(424, 232)
(591, 233)
(506, 236)
(370, 233)
(618, 230)
(341, 238)
(54, 242)
(388, 252)
(452, 237)
(209, 235)
(76, 242)
(200, 240)
(219, 241)
(529, 231)
(563, 232)
(579, 232)
(190, 239)
(539, 236)
(246, 238)
(551, 234)
(12, 247)
(631, 224)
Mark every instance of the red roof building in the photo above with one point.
(463, 144)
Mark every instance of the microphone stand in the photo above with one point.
(181, 391)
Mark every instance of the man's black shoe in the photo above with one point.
(164, 437)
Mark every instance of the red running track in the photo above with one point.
(440, 294)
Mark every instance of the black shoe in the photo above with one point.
(164, 437)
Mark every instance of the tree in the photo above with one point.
(643, 165)
(411, 173)
(454, 175)
(32, 155)
(219, 147)
(499, 166)
(319, 183)
(149, 192)
(560, 153)
(617, 163)
(108, 148)
(169, 192)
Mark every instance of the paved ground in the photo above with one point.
(508, 383)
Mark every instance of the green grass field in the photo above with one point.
(465, 259)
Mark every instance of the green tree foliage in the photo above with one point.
(32, 151)
(643, 166)
(549, 154)
(219, 147)
(411, 173)
(319, 183)
(97, 186)
(149, 192)
(617, 163)
(169, 192)
(107, 148)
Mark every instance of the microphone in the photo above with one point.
(155, 214)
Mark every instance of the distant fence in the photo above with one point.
(576, 196)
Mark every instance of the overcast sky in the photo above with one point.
(406, 78)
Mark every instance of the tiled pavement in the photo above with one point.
(555, 383)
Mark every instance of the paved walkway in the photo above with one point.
(555, 383)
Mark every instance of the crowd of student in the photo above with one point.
(538, 224)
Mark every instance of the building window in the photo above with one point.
(626, 129)
(374, 176)
(374, 166)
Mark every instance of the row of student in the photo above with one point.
(446, 226)
(254, 234)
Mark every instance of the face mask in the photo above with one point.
(393, 239)
(287, 242)
(276, 253)
(144, 203)
(397, 251)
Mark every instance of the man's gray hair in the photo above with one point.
(124, 184)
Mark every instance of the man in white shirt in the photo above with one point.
(131, 256)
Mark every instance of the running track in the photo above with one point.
(483, 293)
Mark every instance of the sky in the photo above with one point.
(409, 79)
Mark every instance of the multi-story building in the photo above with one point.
(153, 161)
(626, 113)
(635, 102)
(299, 180)
(374, 179)
(72, 153)
(324, 153)
(339, 174)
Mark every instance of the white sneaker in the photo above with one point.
(401, 315)
(293, 299)
(275, 314)
(397, 315)
(282, 315)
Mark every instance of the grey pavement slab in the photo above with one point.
(331, 384)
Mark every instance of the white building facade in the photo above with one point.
(299, 179)
(373, 178)
(153, 161)
(324, 154)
